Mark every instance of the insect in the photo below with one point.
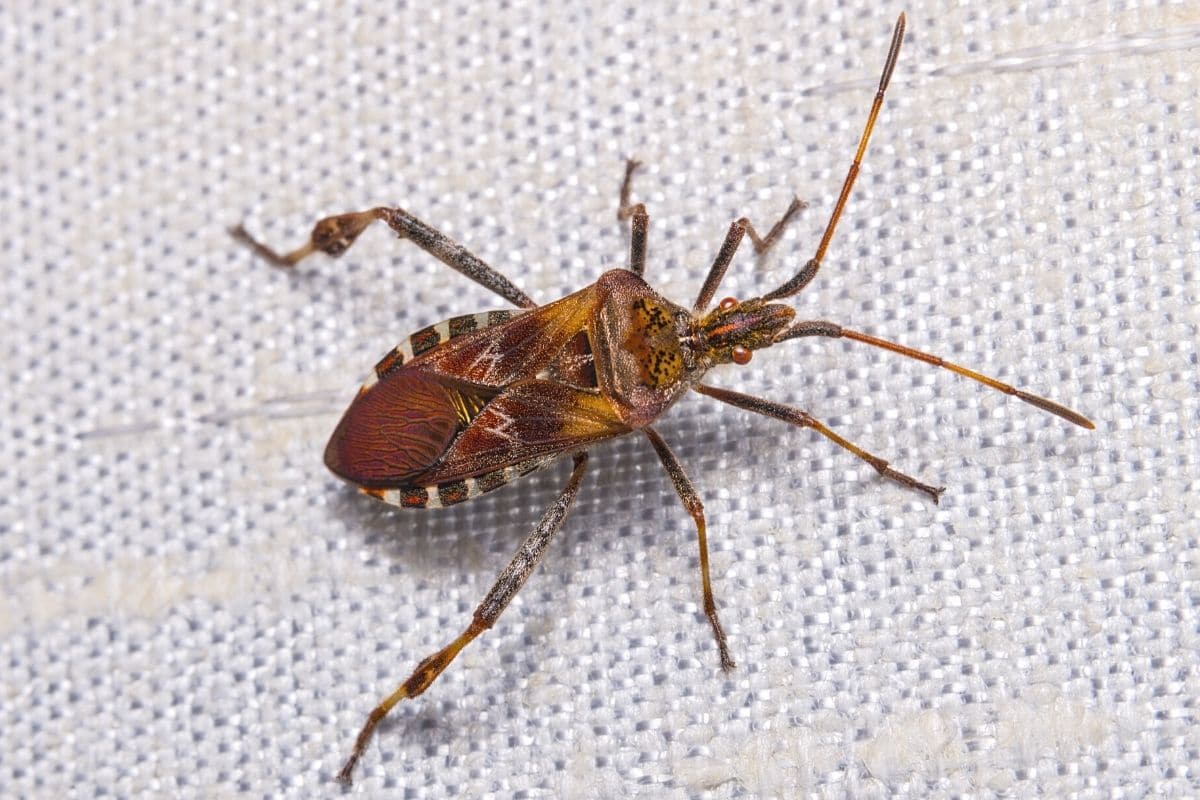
(464, 406)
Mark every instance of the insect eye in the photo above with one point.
(728, 304)
(740, 354)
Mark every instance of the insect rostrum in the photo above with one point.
(464, 406)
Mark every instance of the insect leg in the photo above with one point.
(737, 230)
(507, 584)
(803, 419)
(691, 502)
(334, 235)
(331, 235)
(822, 328)
(641, 220)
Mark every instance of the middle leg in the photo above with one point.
(334, 235)
(506, 587)
(691, 501)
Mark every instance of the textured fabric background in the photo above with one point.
(193, 606)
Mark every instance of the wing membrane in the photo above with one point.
(393, 430)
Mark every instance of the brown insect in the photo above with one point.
(464, 406)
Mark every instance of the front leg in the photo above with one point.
(691, 501)
(739, 228)
(334, 235)
(802, 419)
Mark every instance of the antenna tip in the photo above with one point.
(1074, 417)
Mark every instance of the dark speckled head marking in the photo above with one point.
(732, 330)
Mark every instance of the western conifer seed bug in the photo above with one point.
(464, 406)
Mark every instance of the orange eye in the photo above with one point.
(740, 354)
(727, 304)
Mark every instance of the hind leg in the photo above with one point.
(334, 235)
(507, 584)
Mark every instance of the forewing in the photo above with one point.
(514, 350)
(528, 420)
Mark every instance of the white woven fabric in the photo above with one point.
(193, 606)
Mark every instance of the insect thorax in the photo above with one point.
(644, 361)
(654, 344)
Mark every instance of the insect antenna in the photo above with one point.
(822, 328)
(809, 270)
